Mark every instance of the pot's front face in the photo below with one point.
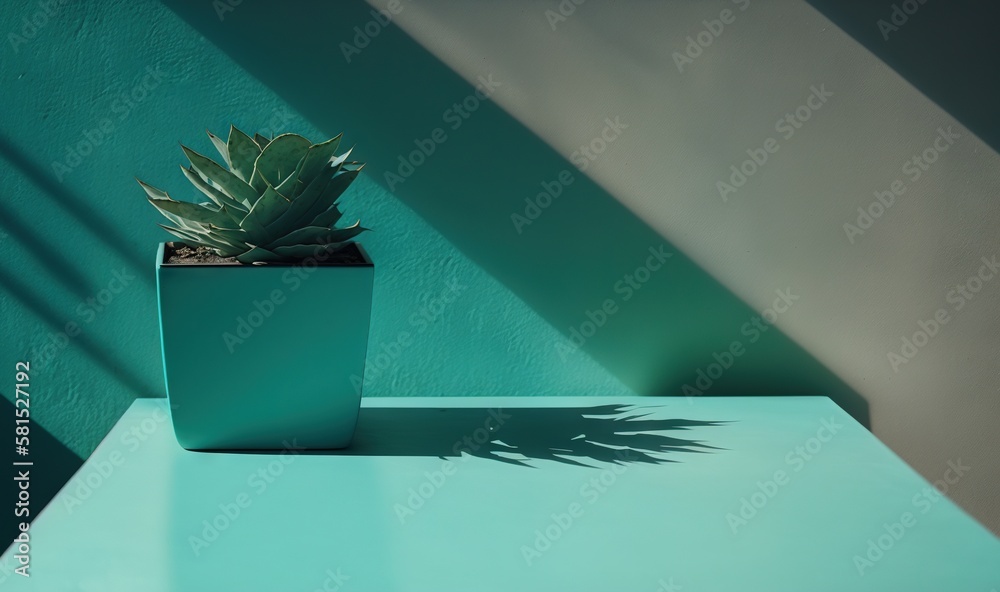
(264, 357)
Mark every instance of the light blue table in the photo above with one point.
(793, 496)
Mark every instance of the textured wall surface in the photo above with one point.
(97, 93)
(152, 81)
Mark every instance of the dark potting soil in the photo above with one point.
(180, 254)
(185, 254)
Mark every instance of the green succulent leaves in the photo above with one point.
(274, 201)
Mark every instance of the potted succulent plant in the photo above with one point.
(264, 302)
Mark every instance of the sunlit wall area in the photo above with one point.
(781, 154)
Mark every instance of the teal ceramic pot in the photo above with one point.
(263, 357)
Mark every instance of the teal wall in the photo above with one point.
(77, 238)
(97, 94)
(147, 77)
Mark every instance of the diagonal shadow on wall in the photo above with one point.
(948, 50)
(88, 217)
(666, 332)
(53, 259)
(59, 339)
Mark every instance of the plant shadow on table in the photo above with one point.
(619, 434)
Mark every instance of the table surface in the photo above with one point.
(489, 494)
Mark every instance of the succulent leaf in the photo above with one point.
(328, 197)
(301, 204)
(327, 218)
(153, 192)
(341, 235)
(256, 232)
(221, 146)
(228, 182)
(189, 237)
(220, 198)
(315, 159)
(258, 254)
(280, 158)
(233, 237)
(243, 153)
(184, 223)
(261, 140)
(289, 185)
(266, 211)
(195, 213)
(317, 235)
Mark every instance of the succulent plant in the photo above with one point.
(276, 201)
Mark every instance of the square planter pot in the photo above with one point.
(257, 357)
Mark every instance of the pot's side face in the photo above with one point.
(264, 357)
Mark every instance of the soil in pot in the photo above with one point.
(181, 254)
(185, 254)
